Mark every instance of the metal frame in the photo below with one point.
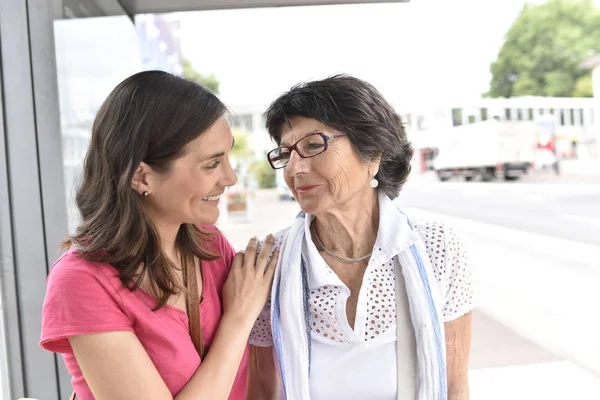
(95, 8)
(32, 204)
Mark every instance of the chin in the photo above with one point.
(309, 207)
(207, 219)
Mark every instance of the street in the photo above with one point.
(535, 253)
(562, 209)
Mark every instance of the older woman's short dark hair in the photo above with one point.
(354, 107)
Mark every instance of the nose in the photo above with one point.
(296, 164)
(229, 176)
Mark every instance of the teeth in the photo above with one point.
(211, 198)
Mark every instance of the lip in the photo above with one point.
(305, 188)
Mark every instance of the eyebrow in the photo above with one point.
(216, 155)
(302, 137)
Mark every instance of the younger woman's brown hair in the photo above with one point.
(148, 117)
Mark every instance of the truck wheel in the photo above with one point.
(486, 175)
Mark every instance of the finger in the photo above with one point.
(270, 271)
(251, 252)
(238, 260)
(263, 256)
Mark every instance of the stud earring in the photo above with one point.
(374, 183)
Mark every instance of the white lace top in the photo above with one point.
(360, 363)
(448, 257)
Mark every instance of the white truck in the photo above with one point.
(487, 150)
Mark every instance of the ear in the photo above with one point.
(140, 181)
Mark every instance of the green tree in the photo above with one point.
(544, 48)
(241, 148)
(584, 86)
(264, 174)
(210, 81)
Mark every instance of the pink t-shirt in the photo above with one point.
(86, 297)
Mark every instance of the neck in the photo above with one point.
(350, 229)
(167, 235)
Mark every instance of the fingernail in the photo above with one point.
(270, 238)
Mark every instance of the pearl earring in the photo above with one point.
(374, 183)
(145, 194)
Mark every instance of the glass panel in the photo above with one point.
(93, 55)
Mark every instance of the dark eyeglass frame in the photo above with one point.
(326, 139)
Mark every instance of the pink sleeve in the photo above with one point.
(80, 299)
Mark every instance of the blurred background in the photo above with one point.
(501, 100)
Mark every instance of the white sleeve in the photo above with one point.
(261, 331)
(261, 334)
(448, 255)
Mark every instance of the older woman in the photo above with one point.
(366, 303)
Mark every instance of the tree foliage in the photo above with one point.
(209, 81)
(544, 48)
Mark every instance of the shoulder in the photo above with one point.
(72, 268)
(218, 243)
(279, 236)
(216, 237)
(439, 238)
(451, 265)
(429, 230)
(82, 297)
(445, 247)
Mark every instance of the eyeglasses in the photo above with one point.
(307, 147)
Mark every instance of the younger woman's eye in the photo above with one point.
(214, 165)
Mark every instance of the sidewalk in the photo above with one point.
(587, 167)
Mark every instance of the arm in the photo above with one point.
(457, 314)
(117, 367)
(458, 346)
(263, 375)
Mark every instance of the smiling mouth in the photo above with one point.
(211, 198)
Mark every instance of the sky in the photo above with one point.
(417, 54)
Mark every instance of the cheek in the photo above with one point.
(341, 182)
(341, 173)
(190, 186)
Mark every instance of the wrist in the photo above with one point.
(238, 320)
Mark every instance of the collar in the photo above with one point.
(393, 237)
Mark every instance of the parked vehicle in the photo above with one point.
(487, 150)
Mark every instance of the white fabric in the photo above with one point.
(447, 254)
(287, 321)
(394, 238)
(406, 344)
